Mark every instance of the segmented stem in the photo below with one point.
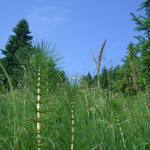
(38, 130)
(120, 129)
(72, 126)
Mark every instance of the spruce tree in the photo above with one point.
(143, 24)
(104, 78)
(131, 70)
(87, 80)
(17, 51)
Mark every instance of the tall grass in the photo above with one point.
(95, 125)
(71, 118)
(15, 122)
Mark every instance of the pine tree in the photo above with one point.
(143, 24)
(17, 51)
(131, 69)
(87, 80)
(117, 79)
(104, 78)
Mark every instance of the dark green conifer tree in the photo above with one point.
(143, 24)
(104, 78)
(87, 80)
(131, 70)
(17, 52)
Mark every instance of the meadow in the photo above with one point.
(41, 108)
(40, 117)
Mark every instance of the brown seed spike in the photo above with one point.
(99, 62)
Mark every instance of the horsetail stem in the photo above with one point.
(38, 130)
(72, 126)
(120, 129)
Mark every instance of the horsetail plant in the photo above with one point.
(72, 126)
(38, 130)
(120, 130)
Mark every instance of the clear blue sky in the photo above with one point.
(77, 28)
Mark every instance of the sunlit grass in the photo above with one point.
(71, 117)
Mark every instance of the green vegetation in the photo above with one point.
(41, 109)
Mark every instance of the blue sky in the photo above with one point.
(76, 28)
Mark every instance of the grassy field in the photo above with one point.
(41, 108)
(72, 118)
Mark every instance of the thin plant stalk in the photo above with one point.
(99, 63)
(120, 129)
(72, 126)
(38, 129)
